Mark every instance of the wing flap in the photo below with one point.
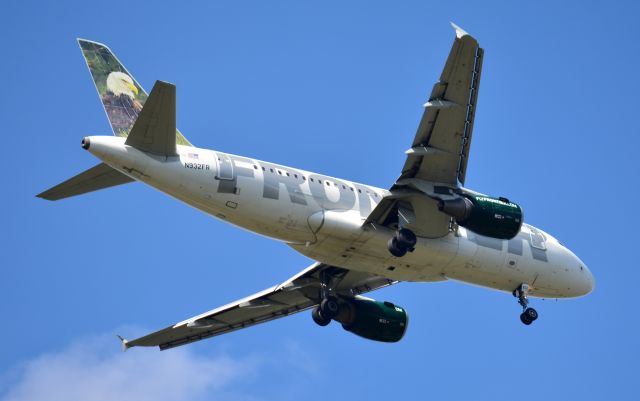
(413, 210)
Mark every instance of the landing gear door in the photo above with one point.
(225, 166)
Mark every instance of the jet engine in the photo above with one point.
(374, 320)
(484, 215)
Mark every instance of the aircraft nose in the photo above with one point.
(583, 281)
(587, 282)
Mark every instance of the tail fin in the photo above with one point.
(121, 95)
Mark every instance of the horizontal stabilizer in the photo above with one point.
(98, 177)
(155, 129)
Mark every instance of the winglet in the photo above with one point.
(125, 343)
(459, 31)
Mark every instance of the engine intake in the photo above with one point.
(485, 215)
(373, 320)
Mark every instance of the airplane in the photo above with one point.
(427, 227)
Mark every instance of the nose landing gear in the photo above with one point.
(528, 315)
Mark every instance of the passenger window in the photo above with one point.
(311, 179)
(255, 167)
(271, 170)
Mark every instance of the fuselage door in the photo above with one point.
(225, 167)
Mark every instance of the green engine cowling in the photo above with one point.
(373, 320)
(485, 215)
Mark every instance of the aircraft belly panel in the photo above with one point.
(367, 252)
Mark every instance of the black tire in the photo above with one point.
(406, 239)
(317, 317)
(329, 308)
(395, 249)
(524, 318)
(531, 313)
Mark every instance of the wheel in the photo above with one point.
(317, 317)
(406, 238)
(531, 313)
(329, 308)
(524, 318)
(395, 249)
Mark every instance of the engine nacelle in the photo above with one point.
(484, 215)
(374, 320)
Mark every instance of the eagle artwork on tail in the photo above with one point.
(120, 93)
(120, 102)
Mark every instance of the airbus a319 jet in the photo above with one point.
(427, 227)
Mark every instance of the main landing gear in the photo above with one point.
(402, 242)
(528, 315)
(326, 311)
(329, 307)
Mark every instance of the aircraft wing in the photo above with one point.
(440, 149)
(437, 160)
(299, 293)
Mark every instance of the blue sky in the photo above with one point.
(335, 88)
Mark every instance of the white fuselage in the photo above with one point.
(322, 217)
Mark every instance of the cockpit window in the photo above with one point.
(537, 238)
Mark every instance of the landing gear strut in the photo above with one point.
(528, 315)
(402, 242)
(329, 306)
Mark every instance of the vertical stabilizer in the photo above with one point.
(121, 95)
